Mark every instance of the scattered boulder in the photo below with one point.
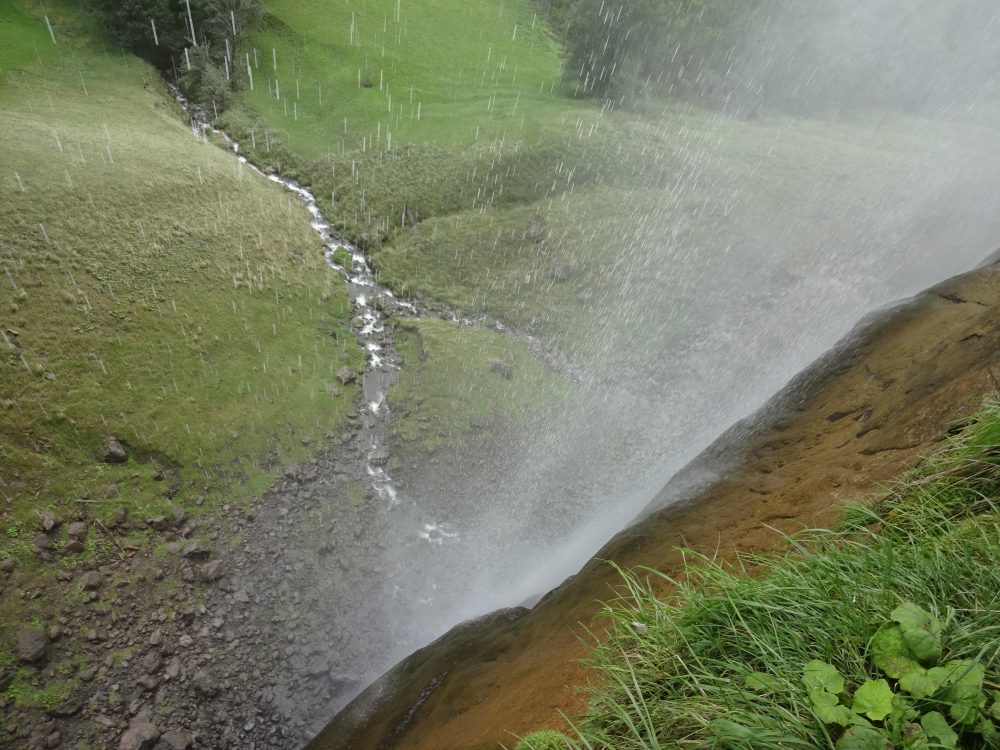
(379, 457)
(198, 550)
(48, 520)
(43, 542)
(477, 422)
(141, 734)
(111, 492)
(176, 740)
(7, 565)
(212, 571)
(346, 375)
(77, 530)
(173, 669)
(158, 523)
(114, 451)
(120, 518)
(204, 684)
(73, 547)
(178, 515)
(150, 663)
(31, 644)
(409, 217)
(91, 580)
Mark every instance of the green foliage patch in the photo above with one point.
(930, 703)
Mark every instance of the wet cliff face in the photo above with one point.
(867, 410)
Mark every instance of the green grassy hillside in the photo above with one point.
(328, 77)
(151, 289)
(510, 197)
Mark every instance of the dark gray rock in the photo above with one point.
(31, 643)
(114, 452)
(212, 571)
(198, 550)
(158, 523)
(91, 580)
(140, 735)
(204, 684)
(48, 520)
(379, 457)
(346, 375)
(150, 662)
(73, 547)
(77, 530)
(175, 740)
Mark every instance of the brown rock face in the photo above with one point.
(869, 409)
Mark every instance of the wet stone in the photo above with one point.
(198, 550)
(48, 521)
(31, 644)
(141, 735)
(91, 580)
(114, 451)
(175, 740)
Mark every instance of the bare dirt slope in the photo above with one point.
(863, 413)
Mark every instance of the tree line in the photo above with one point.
(200, 43)
(794, 55)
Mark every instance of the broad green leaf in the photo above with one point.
(920, 683)
(921, 631)
(891, 654)
(963, 680)
(938, 728)
(819, 674)
(925, 646)
(966, 703)
(995, 708)
(863, 738)
(873, 699)
(912, 617)
(762, 682)
(823, 698)
(961, 672)
(830, 712)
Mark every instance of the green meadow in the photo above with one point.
(152, 289)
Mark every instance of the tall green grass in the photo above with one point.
(673, 673)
